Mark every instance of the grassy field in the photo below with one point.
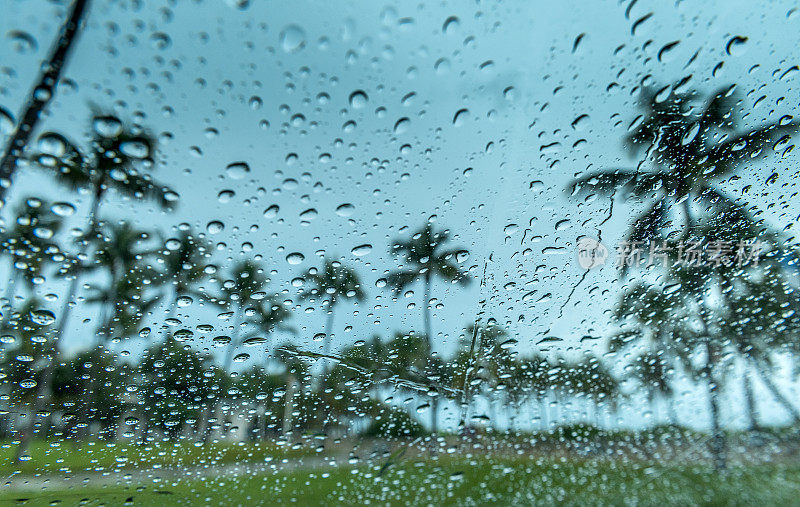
(54, 457)
(455, 481)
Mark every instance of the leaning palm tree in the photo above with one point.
(690, 148)
(41, 94)
(332, 284)
(425, 259)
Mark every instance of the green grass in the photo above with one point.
(52, 457)
(458, 481)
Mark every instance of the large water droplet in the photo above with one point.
(293, 39)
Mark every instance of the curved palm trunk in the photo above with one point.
(41, 94)
(776, 393)
(44, 393)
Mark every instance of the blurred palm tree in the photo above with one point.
(255, 315)
(762, 315)
(30, 243)
(118, 155)
(175, 381)
(245, 294)
(41, 94)
(332, 284)
(295, 372)
(426, 258)
(124, 299)
(653, 372)
(691, 148)
(183, 262)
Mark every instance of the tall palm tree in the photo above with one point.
(425, 259)
(690, 148)
(252, 308)
(117, 153)
(41, 94)
(332, 284)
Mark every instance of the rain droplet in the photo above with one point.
(345, 210)
(293, 39)
(272, 211)
(43, 317)
(450, 25)
(361, 250)
(237, 170)
(735, 46)
(22, 42)
(215, 227)
(402, 125)
(358, 99)
(295, 258)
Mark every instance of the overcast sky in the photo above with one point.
(477, 114)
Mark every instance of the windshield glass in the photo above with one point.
(416, 253)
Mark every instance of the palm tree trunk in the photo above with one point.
(718, 445)
(673, 414)
(749, 399)
(41, 94)
(288, 407)
(776, 393)
(434, 400)
(11, 291)
(226, 365)
(44, 394)
(326, 346)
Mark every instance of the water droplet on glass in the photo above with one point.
(295, 258)
(361, 250)
(237, 170)
(293, 38)
(358, 99)
(215, 227)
